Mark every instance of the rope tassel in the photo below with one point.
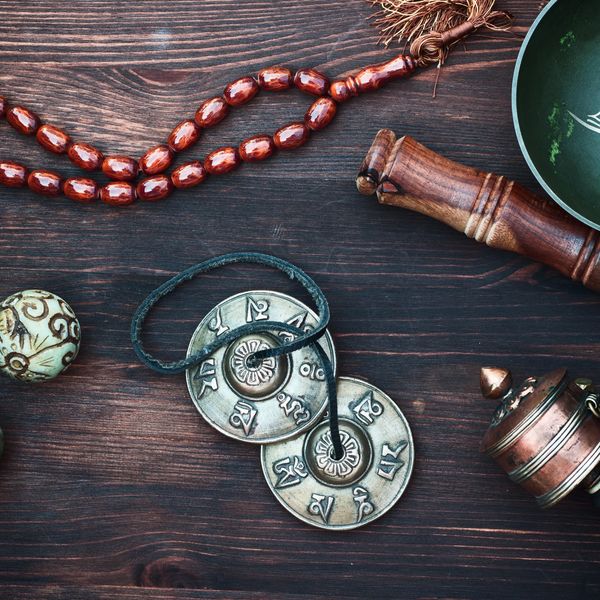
(432, 27)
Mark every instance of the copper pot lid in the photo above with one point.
(520, 407)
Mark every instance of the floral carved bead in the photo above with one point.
(44, 182)
(156, 160)
(23, 120)
(53, 139)
(118, 193)
(80, 189)
(211, 112)
(188, 175)
(85, 156)
(12, 174)
(121, 168)
(240, 91)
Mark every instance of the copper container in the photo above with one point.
(545, 433)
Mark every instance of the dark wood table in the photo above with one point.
(111, 485)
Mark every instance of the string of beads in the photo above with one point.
(155, 184)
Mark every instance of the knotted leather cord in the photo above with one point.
(302, 339)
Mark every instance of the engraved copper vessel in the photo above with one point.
(545, 433)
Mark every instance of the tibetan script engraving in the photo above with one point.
(243, 416)
(294, 408)
(363, 505)
(390, 462)
(367, 408)
(290, 471)
(216, 324)
(207, 376)
(321, 506)
(256, 310)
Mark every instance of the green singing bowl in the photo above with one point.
(556, 104)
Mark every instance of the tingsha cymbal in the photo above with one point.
(270, 401)
(365, 482)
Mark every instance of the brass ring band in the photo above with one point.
(571, 482)
(526, 470)
(531, 418)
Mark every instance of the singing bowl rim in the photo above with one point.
(515, 114)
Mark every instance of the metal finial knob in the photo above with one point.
(495, 382)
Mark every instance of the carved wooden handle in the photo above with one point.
(484, 206)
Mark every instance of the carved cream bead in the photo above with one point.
(39, 336)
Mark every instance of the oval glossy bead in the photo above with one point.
(53, 139)
(189, 174)
(211, 112)
(256, 148)
(23, 120)
(156, 160)
(291, 136)
(222, 160)
(80, 189)
(12, 174)
(311, 82)
(46, 183)
(343, 90)
(240, 91)
(86, 157)
(275, 79)
(320, 114)
(184, 136)
(118, 193)
(3, 106)
(154, 188)
(121, 168)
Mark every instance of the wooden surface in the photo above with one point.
(111, 482)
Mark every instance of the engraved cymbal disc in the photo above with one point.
(365, 483)
(273, 400)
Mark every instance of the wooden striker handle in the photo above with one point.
(484, 206)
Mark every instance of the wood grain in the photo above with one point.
(111, 482)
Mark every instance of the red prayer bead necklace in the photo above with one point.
(157, 185)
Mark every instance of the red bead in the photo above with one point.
(154, 188)
(240, 91)
(156, 160)
(86, 157)
(275, 79)
(53, 139)
(3, 106)
(258, 147)
(189, 174)
(186, 134)
(80, 189)
(222, 160)
(320, 114)
(311, 82)
(291, 136)
(46, 183)
(341, 91)
(23, 120)
(121, 168)
(118, 193)
(211, 112)
(12, 174)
